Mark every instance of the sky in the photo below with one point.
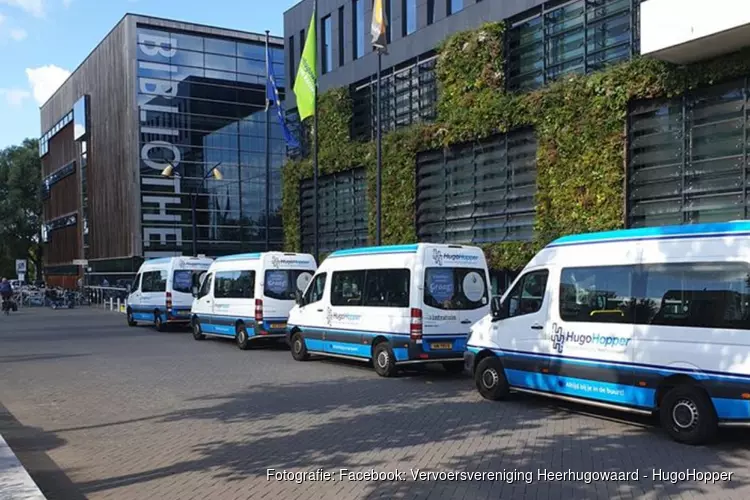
(42, 41)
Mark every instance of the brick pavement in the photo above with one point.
(98, 410)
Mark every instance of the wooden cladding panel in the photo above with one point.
(64, 245)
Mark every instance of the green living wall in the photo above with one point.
(580, 124)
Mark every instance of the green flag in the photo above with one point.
(307, 74)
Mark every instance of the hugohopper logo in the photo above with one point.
(452, 258)
(277, 262)
(559, 337)
(332, 317)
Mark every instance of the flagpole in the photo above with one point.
(315, 145)
(268, 153)
(379, 158)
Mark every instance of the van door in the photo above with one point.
(202, 305)
(521, 331)
(134, 298)
(345, 315)
(153, 293)
(312, 317)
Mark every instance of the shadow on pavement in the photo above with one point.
(373, 423)
(31, 445)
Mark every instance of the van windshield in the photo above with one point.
(283, 284)
(184, 279)
(458, 288)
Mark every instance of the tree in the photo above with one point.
(20, 206)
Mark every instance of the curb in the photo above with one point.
(15, 482)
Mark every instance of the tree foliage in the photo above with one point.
(20, 206)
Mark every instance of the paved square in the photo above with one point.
(97, 410)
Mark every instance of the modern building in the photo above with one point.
(155, 93)
(686, 155)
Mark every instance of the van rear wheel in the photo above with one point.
(242, 338)
(490, 379)
(688, 415)
(383, 360)
(159, 322)
(298, 348)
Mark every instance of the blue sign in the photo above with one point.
(277, 281)
(440, 284)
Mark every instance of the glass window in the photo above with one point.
(341, 37)
(314, 292)
(187, 58)
(454, 6)
(410, 17)
(387, 288)
(342, 211)
(79, 112)
(527, 296)
(218, 46)
(206, 287)
(700, 295)
(183, 279)
(154, 281)
(327, 45)
(136, 284)
(430, 12)
(292, 55)
(686, 162)
(478, 192)
(184, 42)
(358, 29)
(347, 288)
(597, 294)
(457, 288)
(575, 37)
(235, 285)
(284, 284)
(222, 63)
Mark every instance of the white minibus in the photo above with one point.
(248, 296)
(161, 292)
(393, 305)
(641, 320)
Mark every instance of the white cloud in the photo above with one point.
(15, 97)
(45, 80)
(33, 7)
(18, 34)
(66, 3)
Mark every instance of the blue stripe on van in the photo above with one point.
(376, 250)
(712, 230)
(239, 256)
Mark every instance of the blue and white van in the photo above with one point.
(161, 292)
(395, 305)
(248, 296)
(640, 320)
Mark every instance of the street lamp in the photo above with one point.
(169, 171)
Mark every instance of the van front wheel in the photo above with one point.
(197, 330)
(384, 360)
(131, 321)
(243, 340)
(688, 415)
(490, 379)
(298, 348)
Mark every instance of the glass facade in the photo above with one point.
(479, 192)
(408, 96)
(57, 176)
(409, 17)
(581, 36)
(342, 211)
(688, 157)
(44, 139)
(454, 6)
(358, 28)
(326, 61)
(201, 102)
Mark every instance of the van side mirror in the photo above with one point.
(298, 297)
(499, 311)
(195, 290)
(129, 288)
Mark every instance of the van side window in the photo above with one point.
(315, 290)
(347, 288)
(387, 288)
(598, 294)
(701, 295)
(455, 288)
(235, 285)
(527, 296)
(136, 283)
(206, 288)
(154, 281)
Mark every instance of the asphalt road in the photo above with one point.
(97, 410)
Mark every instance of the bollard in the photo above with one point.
(110, 303)
(118, 304)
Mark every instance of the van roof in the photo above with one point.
(376, 250)
(711, 230)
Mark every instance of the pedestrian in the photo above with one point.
(105, 282)
(6, 292)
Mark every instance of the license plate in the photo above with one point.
(278, 325)
(442, 345)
